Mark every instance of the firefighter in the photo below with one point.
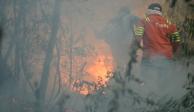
(133, 66)
(157, 39)
(156, 35)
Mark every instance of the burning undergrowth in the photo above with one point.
(80, 47)
(123, 94)
(92, 69)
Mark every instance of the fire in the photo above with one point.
(91, 70)
(100, 69)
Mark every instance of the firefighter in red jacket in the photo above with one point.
(156, 35)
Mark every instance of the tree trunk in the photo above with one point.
(48, 59)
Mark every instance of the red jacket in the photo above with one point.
(156, 32)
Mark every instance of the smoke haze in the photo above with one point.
(50, 45)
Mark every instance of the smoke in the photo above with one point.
(118, 36)
(163, 78)
(108, 22)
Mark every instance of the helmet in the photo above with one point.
(155, 6)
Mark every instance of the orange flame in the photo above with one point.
(100, 69)
(98, 65)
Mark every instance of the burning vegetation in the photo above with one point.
(54, 58)
(92, 70)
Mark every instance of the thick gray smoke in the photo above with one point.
(31, 49)
(163, 78)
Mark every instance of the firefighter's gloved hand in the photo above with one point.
(175, 37)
